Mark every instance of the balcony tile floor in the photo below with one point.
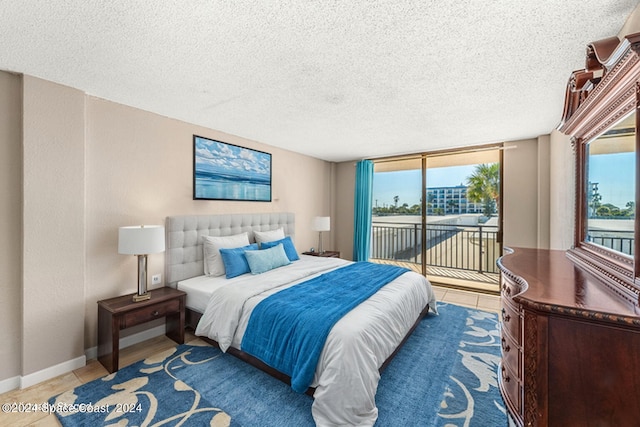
(479, 301)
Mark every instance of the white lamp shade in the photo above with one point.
(141, 239)
(321, 223)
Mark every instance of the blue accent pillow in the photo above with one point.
(267, 259)
(235, 261)
(289, 248)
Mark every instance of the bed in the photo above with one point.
(357, 347)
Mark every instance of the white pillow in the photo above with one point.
(213, 265)
(268, 236)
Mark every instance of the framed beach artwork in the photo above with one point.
(223, 171)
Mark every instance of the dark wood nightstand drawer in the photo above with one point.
(149, 313)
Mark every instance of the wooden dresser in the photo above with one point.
(570, 345)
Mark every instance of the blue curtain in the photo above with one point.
(362, 210)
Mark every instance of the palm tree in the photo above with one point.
(594, 198)
(483, 185)
(631, 209)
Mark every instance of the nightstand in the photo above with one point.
(119, 313)
(327, 254)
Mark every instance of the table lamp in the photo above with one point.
(320, 224)
(141, 240)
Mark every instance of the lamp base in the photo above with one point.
(141, 297)
(142, 294)
(320, 250)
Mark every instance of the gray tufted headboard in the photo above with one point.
(183, 253)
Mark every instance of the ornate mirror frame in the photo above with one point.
(597, 98)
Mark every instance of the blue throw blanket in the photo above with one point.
(288, 330)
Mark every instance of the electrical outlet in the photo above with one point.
(156, 279)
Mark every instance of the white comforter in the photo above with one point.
(347, 376)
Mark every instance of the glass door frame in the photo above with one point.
(423, 158)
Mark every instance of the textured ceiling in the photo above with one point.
(337, 80)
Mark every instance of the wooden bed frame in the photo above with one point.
(193, 317)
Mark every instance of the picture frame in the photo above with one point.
(224, 171)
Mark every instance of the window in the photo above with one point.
(438, 211)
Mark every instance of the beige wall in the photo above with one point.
(10, 225)
(631, 25)
(140, 170)
(74, 168)
(89, 167)
(520, 193)
(53, 225)
(562, 192)
(345, 201)
(543, 193)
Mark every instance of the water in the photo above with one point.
(228, 188)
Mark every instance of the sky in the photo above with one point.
(222, 158)
(406, 184)
(614, 174)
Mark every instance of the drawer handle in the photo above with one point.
(507, 378)
(505, 347)
(155, 313)
(505, 316)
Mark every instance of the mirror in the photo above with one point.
(600, 115)
(610, 188)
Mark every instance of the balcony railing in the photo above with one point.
(618, 240)
(462, 247)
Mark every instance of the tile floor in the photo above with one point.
(480, 301)
(93, 370)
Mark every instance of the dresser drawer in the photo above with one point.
(512, 389)
(149, 313)
(509, 289)
(511, 356)
(511, 320)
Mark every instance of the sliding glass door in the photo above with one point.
(397, 211)
(438, 213)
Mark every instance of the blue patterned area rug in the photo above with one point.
(445, 375)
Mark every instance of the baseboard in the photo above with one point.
(9, 384)
(52, 372)
(92, 353)
(62, 368)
